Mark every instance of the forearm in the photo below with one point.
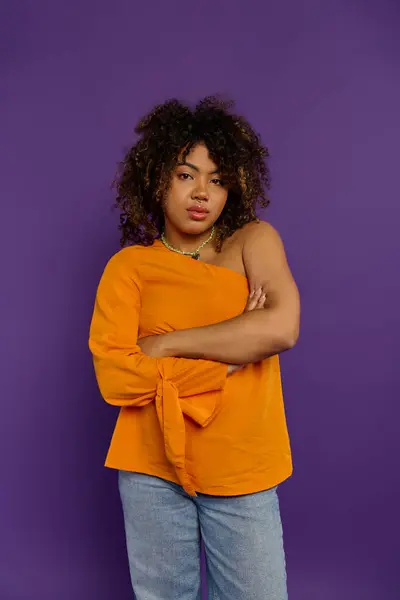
(132, 379)
(248, 338)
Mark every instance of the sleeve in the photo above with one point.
(128, 377)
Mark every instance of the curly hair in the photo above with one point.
(166, 135)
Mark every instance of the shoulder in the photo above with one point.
(130, 256)
(260, 233)
(127, 263)
(125, 254)
(264, 256)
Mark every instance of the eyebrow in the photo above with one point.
(192, 166)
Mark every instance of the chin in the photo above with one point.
(196, 227)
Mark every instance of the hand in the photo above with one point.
(233, 368)
(256, 300)
(152, 345)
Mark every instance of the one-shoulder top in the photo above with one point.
(180, 419)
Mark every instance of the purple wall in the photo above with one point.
(320, 81)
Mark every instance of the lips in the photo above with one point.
(198, 213)
(198, 209)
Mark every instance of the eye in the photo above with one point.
(217, 181)
(184, 176)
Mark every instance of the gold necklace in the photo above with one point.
(196, 253)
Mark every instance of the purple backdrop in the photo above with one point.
(320, 81)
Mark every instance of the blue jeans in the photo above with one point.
(242, 537)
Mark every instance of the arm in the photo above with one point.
(257, 334)
(125, 375)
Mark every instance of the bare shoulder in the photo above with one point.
(264, 256)
(259, 230)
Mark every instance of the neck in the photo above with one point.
(184, 241)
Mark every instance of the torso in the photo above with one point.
(231, 255)
(245, 447)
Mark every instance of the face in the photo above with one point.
(196, 196)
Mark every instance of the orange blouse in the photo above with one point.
(181, 419)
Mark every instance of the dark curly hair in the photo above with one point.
(167, 134)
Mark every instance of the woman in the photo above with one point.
(188, 323)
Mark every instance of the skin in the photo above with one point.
(196, 183)
(270, 322)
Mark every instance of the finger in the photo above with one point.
(261, 302)
(258, 302)
(249, 306)
(253, 299)
(250, 300)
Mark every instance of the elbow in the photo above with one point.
(289, 342)
(289, 337)
(285, 339)
(276, 332)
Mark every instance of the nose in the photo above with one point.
(200, 193)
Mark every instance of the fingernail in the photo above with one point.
(251, 293)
